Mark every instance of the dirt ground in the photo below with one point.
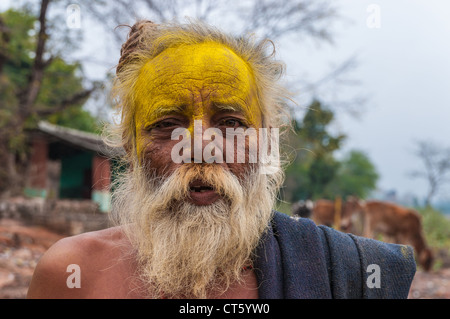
(432, 285)
(21, 247)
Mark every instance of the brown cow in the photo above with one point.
(324, 213)
(397, 224)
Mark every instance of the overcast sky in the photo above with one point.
(405, 67)
(404, 70)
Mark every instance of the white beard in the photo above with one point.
(191, 251)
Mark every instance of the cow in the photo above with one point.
(323, 212)
(371, 218)
(395, 223)
(336, 214)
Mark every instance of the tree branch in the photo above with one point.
(77, 98)
(4, 40)
(436, 166)
(28, 96)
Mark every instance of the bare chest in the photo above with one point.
(122, 282)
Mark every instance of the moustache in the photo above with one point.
(191, 179)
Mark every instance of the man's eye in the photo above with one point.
(163, 124)
(232, 123)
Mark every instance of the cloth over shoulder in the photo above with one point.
(297, 259)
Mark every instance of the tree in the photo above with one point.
(35, 83)
(436, 167)
(314, 131)
(268, 18)
(321, 172)
(293, 21)
(356, 176)
(315, 172)
(314, 166)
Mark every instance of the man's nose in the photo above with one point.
(206, 142)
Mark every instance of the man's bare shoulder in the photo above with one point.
(91, 253)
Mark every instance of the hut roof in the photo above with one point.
(79, 139)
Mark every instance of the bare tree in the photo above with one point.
(436, 167)
(332, 85)
(293, 20)
(268, 18)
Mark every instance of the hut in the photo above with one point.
(70, 164)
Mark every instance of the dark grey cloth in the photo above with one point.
(297, 259)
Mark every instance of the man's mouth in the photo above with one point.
(202, 194)
(201, 189)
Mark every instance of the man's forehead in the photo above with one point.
(179, 75)
(198, 57)
(195, 66)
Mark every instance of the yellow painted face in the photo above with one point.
(193, 81)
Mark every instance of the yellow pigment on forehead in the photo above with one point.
(190, 79)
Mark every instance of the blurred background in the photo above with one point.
(371, 83)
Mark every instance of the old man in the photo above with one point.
(194, 209)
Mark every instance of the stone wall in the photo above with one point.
(68, 217)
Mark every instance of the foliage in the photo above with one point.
(314, 167)
(77, 118)
(15, 70)
(315, 172)
(436, 227)
(356, 176)
(61, 79)
(436, 166)
(20, 46)
(313, 130)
